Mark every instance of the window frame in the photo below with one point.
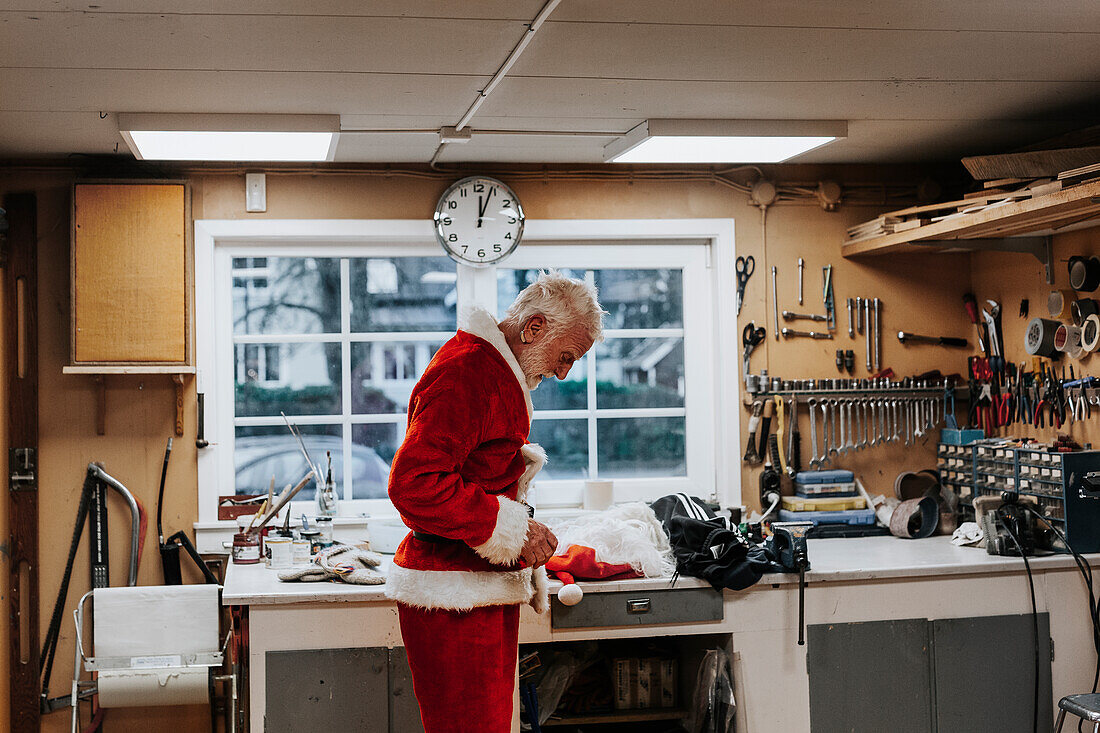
(216, 239)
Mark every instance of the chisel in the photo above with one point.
(905, 337)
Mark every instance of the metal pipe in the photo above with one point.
(851, 323)
(134, 515)
(878, 335)
(801, 264)
(867, 332)
(775, 303)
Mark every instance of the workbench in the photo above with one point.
(907, 585)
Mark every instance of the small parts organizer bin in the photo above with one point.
(1056, 480)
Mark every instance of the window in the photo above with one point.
(335, 333)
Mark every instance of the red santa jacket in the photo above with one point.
(461, 473)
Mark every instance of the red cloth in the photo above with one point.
(463, 666)
(580, 563)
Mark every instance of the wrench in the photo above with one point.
(814, 462)
(833, 449)
(843, 430)
(897, 421)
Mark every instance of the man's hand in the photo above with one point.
(540, 545)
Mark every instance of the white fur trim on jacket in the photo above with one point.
(459, 590)
(480, 323)
(540, 600)
(509, 534)
(534, 458)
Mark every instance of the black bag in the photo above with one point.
(706, 546)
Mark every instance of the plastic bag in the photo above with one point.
(713, 706)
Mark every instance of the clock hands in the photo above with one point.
(482, 206)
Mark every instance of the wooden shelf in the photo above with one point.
(1038, 216)
(620, 716)
(98, 370)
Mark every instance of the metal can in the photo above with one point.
(246, 548)
(313, 537)
(278, 552)
(300, 552)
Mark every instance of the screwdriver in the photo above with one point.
(971, 304)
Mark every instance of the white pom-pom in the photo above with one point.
(570, 595)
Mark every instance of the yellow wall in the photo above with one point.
(920, 294)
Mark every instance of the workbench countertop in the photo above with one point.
(834, 560)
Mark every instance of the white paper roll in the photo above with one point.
(153, 687)
(598, 494)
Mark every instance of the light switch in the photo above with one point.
(255, 192)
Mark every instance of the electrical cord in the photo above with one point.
(1035, 626)
(1086, 573)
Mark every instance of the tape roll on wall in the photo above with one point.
(1084, 273)
(1067, 339)
(1039, 337)
(1082, 308)
(1090, 333)
(1059, 302)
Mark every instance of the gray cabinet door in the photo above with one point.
(870, 677)
(985, 673)
(330, 690)
(404, 710)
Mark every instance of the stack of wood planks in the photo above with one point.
(993, 194)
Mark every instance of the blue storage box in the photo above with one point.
(850, 516)
(960, 436)
(835, 476)
(837, 482)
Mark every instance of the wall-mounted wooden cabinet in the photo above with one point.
(131, 274)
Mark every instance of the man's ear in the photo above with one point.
(535, 327)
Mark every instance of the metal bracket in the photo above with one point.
(24, 469)
(1038, 247)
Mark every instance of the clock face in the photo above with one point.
(478, 221)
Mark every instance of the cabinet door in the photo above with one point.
(130, 280)
(985, 673)
(870, 677)
(327, 690)
(404, 710)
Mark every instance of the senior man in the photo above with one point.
(459, 481)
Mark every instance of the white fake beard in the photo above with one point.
(531, 363)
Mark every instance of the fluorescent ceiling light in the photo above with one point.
(722, 141)
(268, 138)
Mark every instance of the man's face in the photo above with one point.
(553, 354)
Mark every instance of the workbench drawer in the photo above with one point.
(641, 608)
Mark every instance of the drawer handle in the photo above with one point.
(637, 605)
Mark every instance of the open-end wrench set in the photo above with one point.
(845, 416)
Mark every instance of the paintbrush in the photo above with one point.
(263, 508)
(285, 497)
(301, 444)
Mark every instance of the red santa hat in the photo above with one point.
(580, 563)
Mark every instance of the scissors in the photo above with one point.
(751, 337)
(745, 267)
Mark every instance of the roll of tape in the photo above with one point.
(1082, 308)
(598, 494)
(1059, 302)
(1039, 337)
(1090, 333)
(1084, 273)
(1067, 339)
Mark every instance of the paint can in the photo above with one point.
(313, 537)
(278, 552)
(300, 552)
(246, 548)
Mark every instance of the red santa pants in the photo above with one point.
(463, 666)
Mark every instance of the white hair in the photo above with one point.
(563, 301)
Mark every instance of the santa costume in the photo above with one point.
(459, 480)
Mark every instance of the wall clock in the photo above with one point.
(478, 221)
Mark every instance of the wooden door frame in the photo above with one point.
(20, 324)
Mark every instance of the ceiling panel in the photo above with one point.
(783, 100)
(357, 147)
(267, 43)
(692, 52)
(218, 91)
(1068, 16)
(487, 9)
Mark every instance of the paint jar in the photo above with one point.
(300, 552)
(313, 537)
(278, 552)
(325, 525)
(246, 548)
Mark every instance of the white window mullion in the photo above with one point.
(345, 372)
(593, 445)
